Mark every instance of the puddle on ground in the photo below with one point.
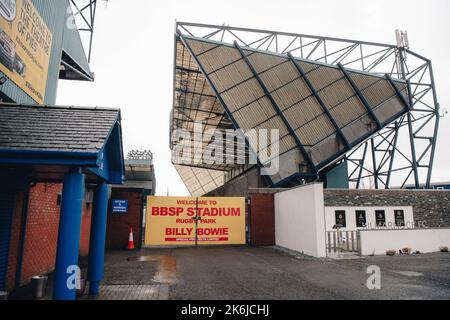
(167, 267)
(410, 273)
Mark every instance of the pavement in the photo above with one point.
(266, 273)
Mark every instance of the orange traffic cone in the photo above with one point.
(131, 240)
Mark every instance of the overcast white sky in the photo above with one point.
(133, 56)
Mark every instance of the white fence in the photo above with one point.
(342, 241)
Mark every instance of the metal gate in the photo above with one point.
(342, 241)
(6, 213)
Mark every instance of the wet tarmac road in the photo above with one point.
(266, 273)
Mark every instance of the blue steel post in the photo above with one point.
(97, 240)
(68, 234)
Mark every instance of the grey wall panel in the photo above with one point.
(388, 109)
(326, 149)
(358, 128)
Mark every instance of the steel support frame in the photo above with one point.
(277, 109)
(86, 12)
(361, 97)
(320, 101)
(222, 102)
(376, 58)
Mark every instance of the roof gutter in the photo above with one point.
(11, 156)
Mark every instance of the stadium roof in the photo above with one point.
(321, 110)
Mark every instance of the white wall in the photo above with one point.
(300, 220)
(350, 216)
(425, 240)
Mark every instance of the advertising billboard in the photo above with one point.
(187, 220)
(25, 47)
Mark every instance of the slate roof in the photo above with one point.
(55, 128)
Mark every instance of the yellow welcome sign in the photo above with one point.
(25, 47)
(185, 220)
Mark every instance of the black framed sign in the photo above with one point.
(340, 218)
(399, 218)
(380, 218)
(360, 218)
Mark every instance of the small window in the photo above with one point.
(399, 218)
(58, 200)
(360, 218)
(380, 218)
(340, 219)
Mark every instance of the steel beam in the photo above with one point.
(320, 101)
(411, 140)
(398, 92)
(277, 108)
(222, 102)
(361, 97)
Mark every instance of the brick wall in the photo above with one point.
(118, 227)
(41, 231)
(430, 206)
(14, 242)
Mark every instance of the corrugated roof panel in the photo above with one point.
(347, 111)
(257, 112)
(261, 61)
(243, 94)
(291, 93)
(231, 75)
(303, 112)
(323, 76)
(378, 92)
(308, 66)
(211, 179)
(279, 75)
(315, 130)
(362, 80)
(337, 93)
(199, 47)
(388, 109)
(217, 57)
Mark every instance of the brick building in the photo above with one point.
(55, 162)
(34, 190)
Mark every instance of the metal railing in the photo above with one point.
(342, 241)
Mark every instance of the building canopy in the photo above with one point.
(47, 141)
(322, 111)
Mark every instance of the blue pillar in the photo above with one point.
(97, 240)
(68, 234)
